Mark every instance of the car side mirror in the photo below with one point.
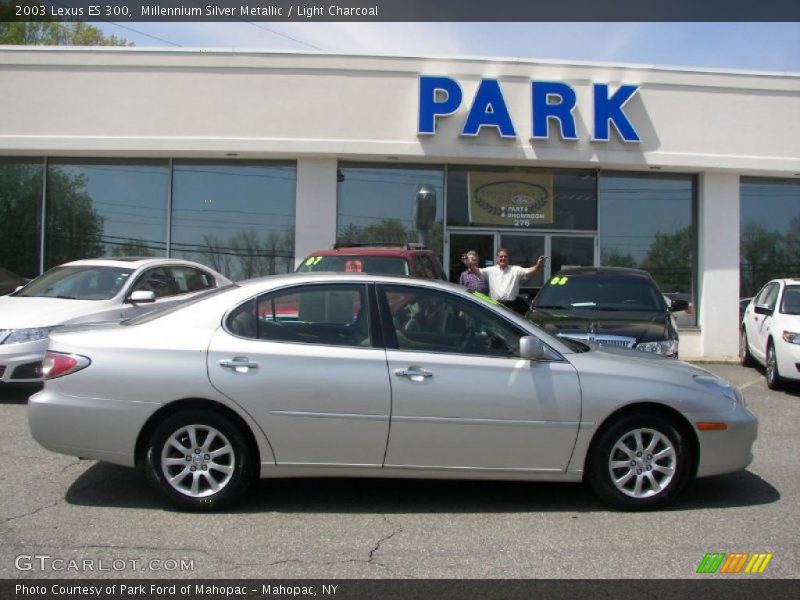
(678, 305)
(531, 348)
(141, 297)
(762, 309)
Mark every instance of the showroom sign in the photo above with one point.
(552, 103)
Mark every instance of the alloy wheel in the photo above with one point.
(198, 461)
(642, 463)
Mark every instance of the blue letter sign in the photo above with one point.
(489, 110)
(542, 93)
(609, 110)
(430, 108)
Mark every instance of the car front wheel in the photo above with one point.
(774, 379)
(199, 460)
(641, 461)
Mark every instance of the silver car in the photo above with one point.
(314, 374)
(84, 291)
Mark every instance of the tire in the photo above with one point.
(745, 358)
(774, 379)
(625, 470)
(218, 457)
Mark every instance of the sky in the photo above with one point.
(741, 46)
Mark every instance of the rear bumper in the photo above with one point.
(95, 428)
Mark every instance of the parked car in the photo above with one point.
(84, 291)
(10, 281)
(413, 260)
(611, 306)
(378, 376)
(770, 331)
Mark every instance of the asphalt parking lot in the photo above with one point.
(108, 522)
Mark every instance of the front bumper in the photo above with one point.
(21, 363)
(729, 450)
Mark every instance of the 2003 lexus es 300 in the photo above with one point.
(357, 375)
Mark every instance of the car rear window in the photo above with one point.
(381, 265)
(598, 292)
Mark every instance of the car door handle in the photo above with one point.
(240, 364)
(413, 373)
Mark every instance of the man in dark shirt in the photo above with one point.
(471, 278)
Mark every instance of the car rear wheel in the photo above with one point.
(774, 379)
(199, 460)
(641, 461)
(745, 358)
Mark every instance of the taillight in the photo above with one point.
(56, 364)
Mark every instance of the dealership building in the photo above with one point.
(248, 161)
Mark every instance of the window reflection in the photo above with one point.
(104, 208)
(646, 222)
(394, 204)
(769, 232)
(237, 218)
(20, 215)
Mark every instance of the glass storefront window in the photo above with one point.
(769, 228)
(236, 217)
(20, 217)
(105, 208)
(391, 204)
(646, 222)
(521, 199)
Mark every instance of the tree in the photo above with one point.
(74, 228)
(612, 257)
(763, 256)
(669, 260)
(53, 33)
(132, 247)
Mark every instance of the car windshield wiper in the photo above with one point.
(67, 297)
(550, 306)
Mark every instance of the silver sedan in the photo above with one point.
(319, 374)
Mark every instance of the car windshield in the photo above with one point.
(77, 283)
(790, 305)
(381, 265)
(600, 292)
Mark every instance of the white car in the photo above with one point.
(87, 291)
(770, 332)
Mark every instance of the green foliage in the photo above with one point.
(132, 247)
(669, 260)
(56, 33)
(614, 258)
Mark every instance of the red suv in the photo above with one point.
(413, 260)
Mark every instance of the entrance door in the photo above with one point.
(571, 251)
(482, 243)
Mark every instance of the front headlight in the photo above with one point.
(665, 347)
(791, 337)
(721, 387)
(18, 336)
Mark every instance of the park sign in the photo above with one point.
(552, 103)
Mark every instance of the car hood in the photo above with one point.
(643, 326)
(19, 312)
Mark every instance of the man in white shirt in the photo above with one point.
(504, 280)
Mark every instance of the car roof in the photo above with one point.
(131, 262)
(338, 276)
(626, 271)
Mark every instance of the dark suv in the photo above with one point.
(413, 260)
(610, 306)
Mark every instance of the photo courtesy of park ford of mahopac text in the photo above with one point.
(391, 589)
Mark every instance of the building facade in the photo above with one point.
(249, 161)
